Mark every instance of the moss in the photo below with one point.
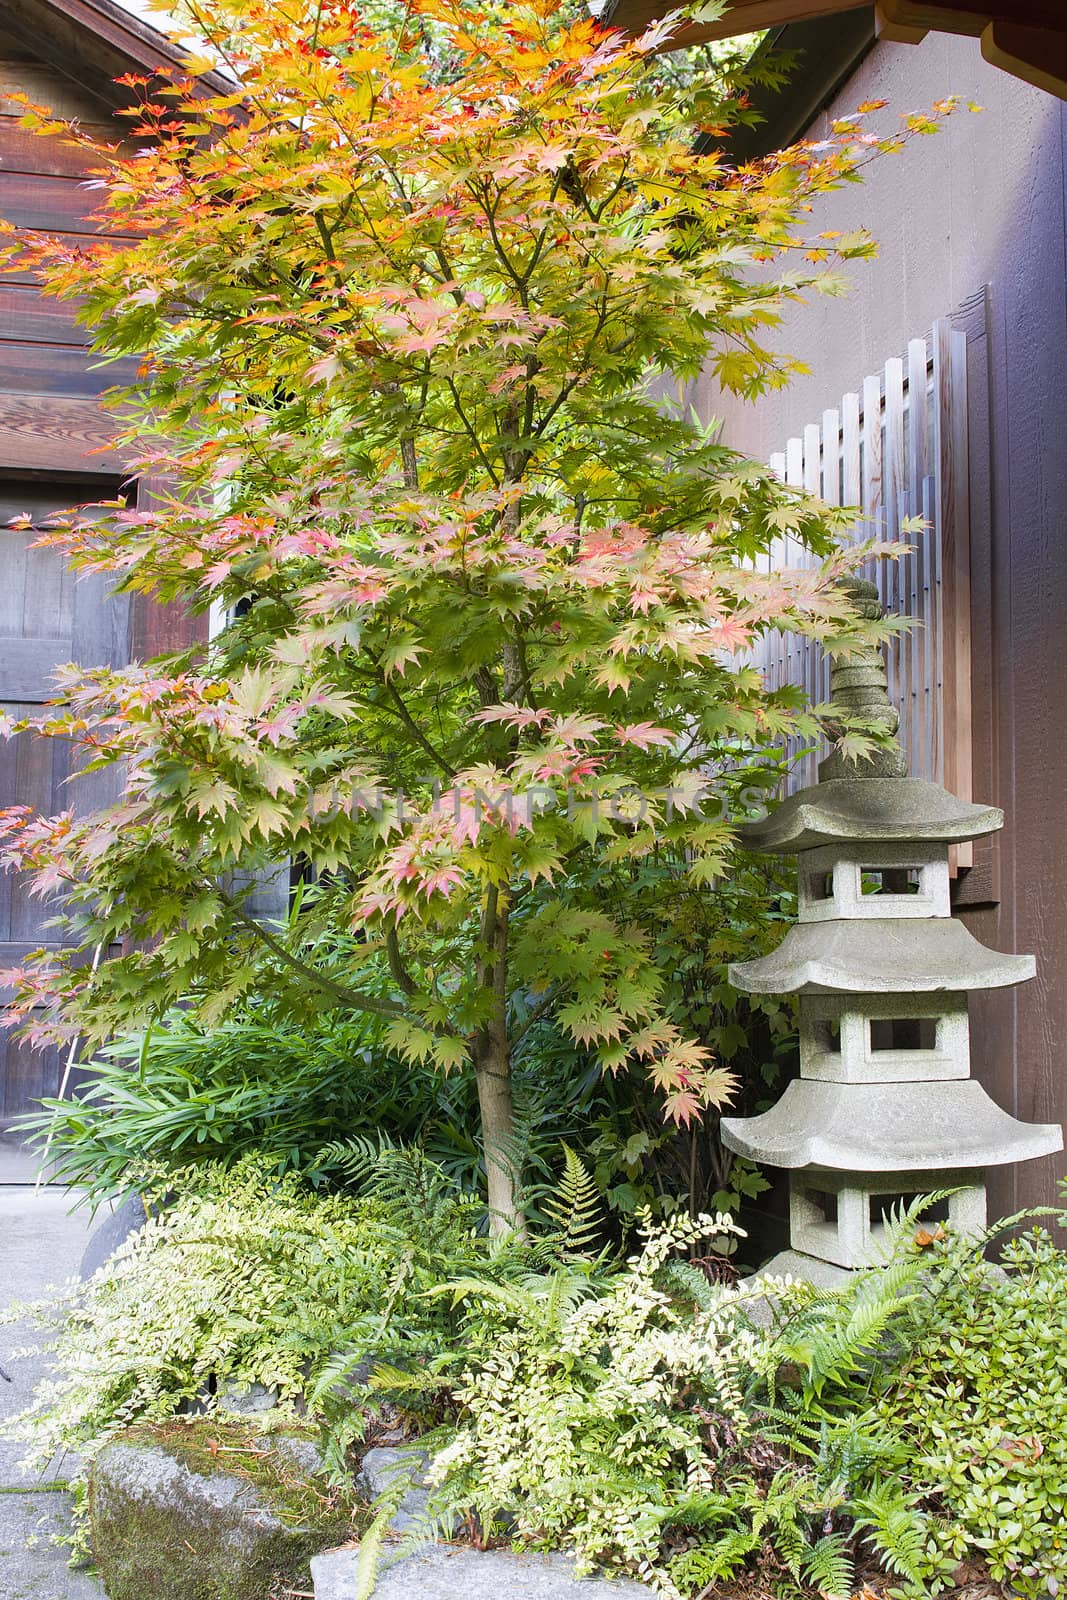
(172, 1546)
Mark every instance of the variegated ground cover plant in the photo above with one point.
(404, 301)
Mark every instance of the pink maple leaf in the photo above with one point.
(643, 735)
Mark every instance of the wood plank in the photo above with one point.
(28, 1075)
(27, 667)
(915, 687)
(70, 369)
(101, 632)
(851, 480)
(155, 629)
(950, 378)
(873, 496)
(46, 86)
(32, 200)
(54, 155)
(894, 470)
(831, 458)
(28, 315)
(50, 433)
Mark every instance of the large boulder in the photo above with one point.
(444, 1572)
(206, 1511)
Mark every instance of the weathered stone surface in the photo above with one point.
(167, 1523)
(875, 809)
(888, 1127)
(127, 1219)
(880, 956)
(382, 1467)
(443, 1572)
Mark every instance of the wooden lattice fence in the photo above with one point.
(898, 449)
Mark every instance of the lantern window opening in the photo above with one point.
(891, 880)
(826, 1035)
(903, 1033)
(886, 1209)
(820, 886)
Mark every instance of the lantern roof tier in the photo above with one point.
(875, 810)
(888, 1127)
(880, 955)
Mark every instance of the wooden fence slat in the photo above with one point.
(813, 458)
(873, 497)
(897, 450)
(893, 469)
(851, 482)
(831, 457)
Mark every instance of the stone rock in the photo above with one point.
(168, 1521)
(127, 1219)
(245, 1401)
(445, 1572)
(906, 810)
(382, 1466)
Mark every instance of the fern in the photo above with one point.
(574, 1209)
(828, 1565)
(894, 1530)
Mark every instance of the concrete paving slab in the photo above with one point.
(41, 1244)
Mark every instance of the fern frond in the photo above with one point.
(893, 1529)
(828, 1565)
(575, 1208)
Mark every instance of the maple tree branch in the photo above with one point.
(401, 976)
(352, 998)
(411, 725)
(471, 432)
(540, 1010)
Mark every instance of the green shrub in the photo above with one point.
(290, 1092)
(253, 1279)
(980, 1406)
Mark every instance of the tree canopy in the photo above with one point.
(410, 303)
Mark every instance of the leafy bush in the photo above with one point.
(309, 1095)
(646, 1423)
(980, 1407)
(627, 1409)
(253, 1279)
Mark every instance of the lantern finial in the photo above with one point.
(859, 684)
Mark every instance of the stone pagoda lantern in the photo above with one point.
(884, 1108)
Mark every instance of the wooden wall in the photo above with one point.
(972, 225)
(51, 427)
(49, 419)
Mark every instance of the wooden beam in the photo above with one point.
(1037, 55)
(93, 42)
(973, 16)
(907, 21)
(896, 32)
(743, 16)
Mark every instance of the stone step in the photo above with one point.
(447, 1572)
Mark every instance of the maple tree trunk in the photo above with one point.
(492, 1063)
(493, 1068)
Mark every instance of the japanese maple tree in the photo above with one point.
(401, 299)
